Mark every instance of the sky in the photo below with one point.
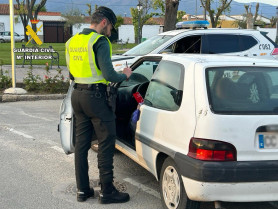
(271, 2)
(122, 7)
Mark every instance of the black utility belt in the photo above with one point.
(91, 87)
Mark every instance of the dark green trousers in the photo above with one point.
(93, 116)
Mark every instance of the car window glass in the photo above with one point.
(269, 39)
(243, 90)
(189, 44)
(247, 42)
(165, 89)
(222, 43)
(142, 73)
(149, 45)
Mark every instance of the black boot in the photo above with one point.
(109, 194)
(84, 195)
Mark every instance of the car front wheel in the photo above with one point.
(2, 41)
(172, 191)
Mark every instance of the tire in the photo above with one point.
(22, 41)
(170, 184)
(2, 41)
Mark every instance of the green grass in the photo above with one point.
(5, 52)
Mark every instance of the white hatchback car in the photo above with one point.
(236, 42)
(208, 128)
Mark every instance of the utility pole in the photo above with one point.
(276, 26)
(196, 11)
(205, 11)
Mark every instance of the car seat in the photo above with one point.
(257, 87)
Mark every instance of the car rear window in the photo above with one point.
(221, 43)
(243, 90)
(247, 42)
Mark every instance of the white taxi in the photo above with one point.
(208, 127)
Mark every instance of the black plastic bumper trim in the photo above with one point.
(221, 172)
(234, 171)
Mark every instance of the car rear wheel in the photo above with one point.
(2, 41)
(22, 40)
(172, 191)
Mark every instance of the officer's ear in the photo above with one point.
(104, 22)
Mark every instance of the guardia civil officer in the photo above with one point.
(88, 56)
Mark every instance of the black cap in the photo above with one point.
(109, 14)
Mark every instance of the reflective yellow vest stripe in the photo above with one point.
(81, 60)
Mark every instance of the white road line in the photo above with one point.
(142, 187)
(33, 116)
(19, 133)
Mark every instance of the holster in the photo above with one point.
(111, 93)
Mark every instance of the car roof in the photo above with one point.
(210, 30)
(207, 59)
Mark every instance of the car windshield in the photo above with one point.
(148, 46)
(243, 90)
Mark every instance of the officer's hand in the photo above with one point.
(127, 71)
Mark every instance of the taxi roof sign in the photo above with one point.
(193, 24)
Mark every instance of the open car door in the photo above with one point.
(66, 123)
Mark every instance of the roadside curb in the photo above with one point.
(15, 98)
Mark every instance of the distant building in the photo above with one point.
(259, 18)
(52, 30)
(226, 21)
(153, 27)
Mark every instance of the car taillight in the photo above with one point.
(211, 150)
(274, 52)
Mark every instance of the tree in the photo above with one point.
(20, 9)
(27, 10)
(73, 17)
(171, 9)
(43, 9)
(33, 12)
(89, 10)
(249, 21)
(180, 15)
(172, 12)
(141, 16)
(159, 4)
(249, 16)
(214, 15)
(273, 21)
(120, 21)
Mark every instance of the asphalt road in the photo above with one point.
(35, 173)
